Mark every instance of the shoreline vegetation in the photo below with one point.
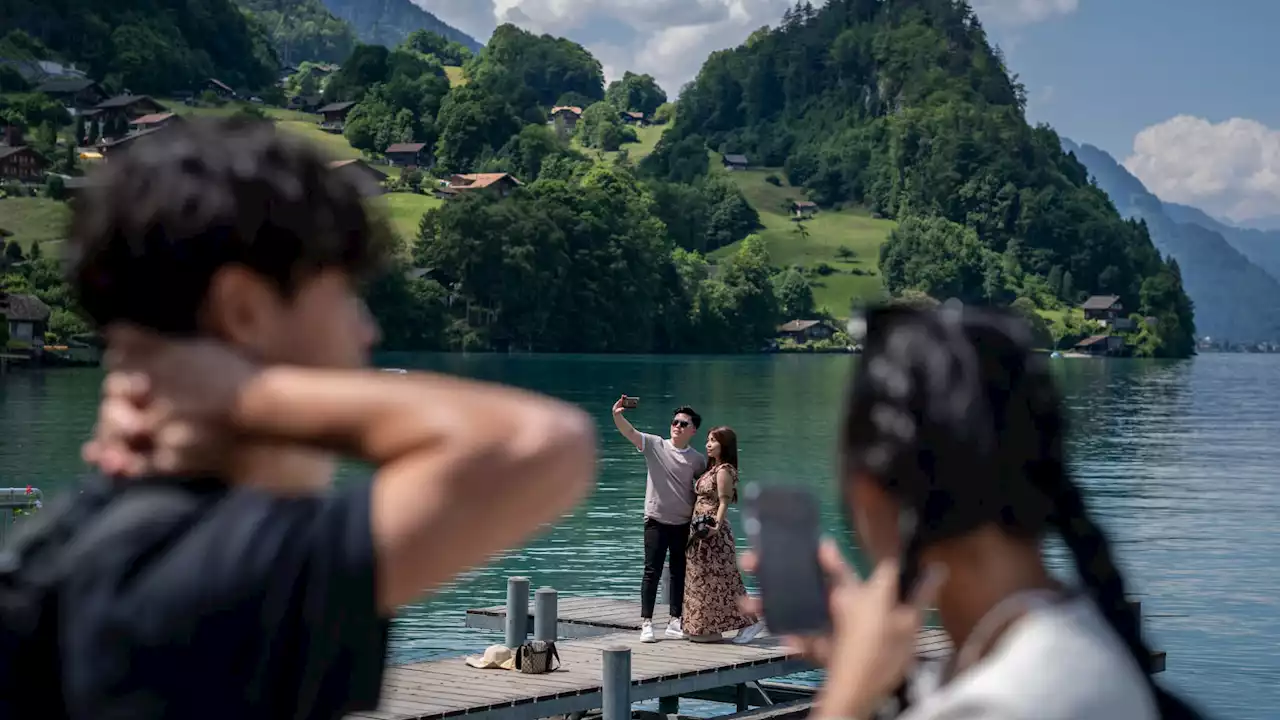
(620, 222)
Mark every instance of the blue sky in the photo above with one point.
(1108, 70)
(1183, 92)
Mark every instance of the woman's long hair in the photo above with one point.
(951, 412)
(728, 440)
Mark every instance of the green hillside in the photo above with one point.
(150, 46)
(647, 136)
(852, 278)
(906, 108)
(34, 220)
(404, 211)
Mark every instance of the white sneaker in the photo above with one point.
(675, 630)
(646, 632)
(748, 634)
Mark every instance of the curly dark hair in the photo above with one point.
(952, 413)
(165, 215)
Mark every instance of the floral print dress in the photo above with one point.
(712, 585)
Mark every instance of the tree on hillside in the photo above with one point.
(939, 258)
(636, 93)
(401, 108)
(601, 128)
(795, 295)
(448, 52)
(366, 66)
(532, 71)
(471, 124)
(303, 30)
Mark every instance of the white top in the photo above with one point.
(1056, 662)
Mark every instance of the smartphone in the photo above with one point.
(783, 527)
(630, 403)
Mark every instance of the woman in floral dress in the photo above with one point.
(713, 586)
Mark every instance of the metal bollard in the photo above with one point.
(517, 611)
(617, 683)
(545, 615)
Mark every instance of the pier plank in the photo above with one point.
(448, 688)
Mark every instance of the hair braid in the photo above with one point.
(954, 415)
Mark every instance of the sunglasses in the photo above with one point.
(680, 423)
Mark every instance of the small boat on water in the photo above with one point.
(398, 371)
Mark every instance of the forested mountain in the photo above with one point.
(389, 22)
(303, 30)
(1235, 299)
(906, 108)
(151, 46)
(1260, 246)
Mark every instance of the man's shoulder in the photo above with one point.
(206, 539)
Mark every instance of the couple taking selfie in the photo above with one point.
(686, 497)
(210, 570)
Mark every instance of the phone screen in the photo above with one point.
(783, 526)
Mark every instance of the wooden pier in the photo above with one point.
(605, 667)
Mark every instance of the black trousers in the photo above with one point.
(660, 540)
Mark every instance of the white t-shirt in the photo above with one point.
(1057, 662)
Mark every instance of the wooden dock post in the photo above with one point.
(616, 685)
(517, 611)
(545, 620)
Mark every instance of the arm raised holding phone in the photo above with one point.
(624, 425)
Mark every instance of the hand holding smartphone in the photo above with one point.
(630, 403)
(783, 527)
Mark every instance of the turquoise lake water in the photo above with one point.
(1179, 459)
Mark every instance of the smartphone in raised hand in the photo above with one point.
(630, 403)
(783, 527)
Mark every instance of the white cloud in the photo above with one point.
(1230, 169)
(669, 39)
(1022, 12)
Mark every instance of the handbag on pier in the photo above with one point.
(534, 658)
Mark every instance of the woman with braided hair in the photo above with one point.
(953, 464)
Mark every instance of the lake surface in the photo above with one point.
(1179, 459)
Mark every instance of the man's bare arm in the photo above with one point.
(465, 469)
(624, 425)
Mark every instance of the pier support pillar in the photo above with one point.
(617, 683)
(669, 705)
(1136, 606)
(545, 618)
(517, 611)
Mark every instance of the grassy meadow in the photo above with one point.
(852, 279)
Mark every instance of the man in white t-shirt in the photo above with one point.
(673, 468)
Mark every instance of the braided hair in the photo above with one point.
(952, 414)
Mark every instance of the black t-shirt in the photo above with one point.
(256, 606)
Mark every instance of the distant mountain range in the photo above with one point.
(389, 22)
(1262, 246)
(1232, 275)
